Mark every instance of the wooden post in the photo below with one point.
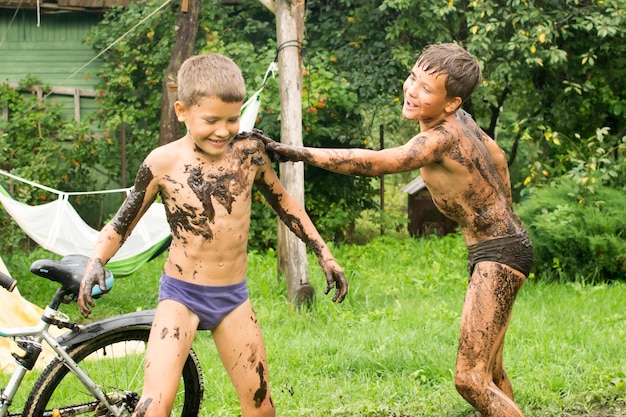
(292, 260)
(77, 104)
(382, 179)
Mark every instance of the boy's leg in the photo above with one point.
(240, 345)
(171, 337)
(500, 378)
(486, 314)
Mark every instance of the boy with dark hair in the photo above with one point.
(468, 177)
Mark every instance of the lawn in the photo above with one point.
(389, 349)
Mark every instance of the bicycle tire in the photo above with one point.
(58, 392)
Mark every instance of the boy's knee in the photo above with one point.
(266, 409)
(468, 382)
(269, 411)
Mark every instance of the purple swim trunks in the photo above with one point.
(210, 304)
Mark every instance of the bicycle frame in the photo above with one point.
(113, 398)
(39, 333)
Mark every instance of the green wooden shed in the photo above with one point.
(47, 40)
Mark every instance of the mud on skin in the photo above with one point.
(260, 393)
(175, 335)
(222, 188)
(292, 222)
(506, 285)
(96, 267)
(142, 407)
(132, 206)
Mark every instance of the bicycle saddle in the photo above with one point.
(68, 272)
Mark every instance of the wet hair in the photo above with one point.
(462, 70)
(210, 75)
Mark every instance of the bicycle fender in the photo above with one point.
(89, 331)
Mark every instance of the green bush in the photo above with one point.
(38, 144)
(577, 239)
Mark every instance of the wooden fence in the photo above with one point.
(76, 93)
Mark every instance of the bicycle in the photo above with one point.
(98, 367)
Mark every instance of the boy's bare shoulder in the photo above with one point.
(251, 139)
(250, 144)
(161, 159)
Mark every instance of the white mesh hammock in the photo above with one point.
(57, 227)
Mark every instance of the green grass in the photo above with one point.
(389, 349)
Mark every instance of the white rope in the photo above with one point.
(271, 70)
(62, 193)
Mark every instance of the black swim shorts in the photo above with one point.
(514, 251)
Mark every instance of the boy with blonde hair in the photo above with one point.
(205, 181)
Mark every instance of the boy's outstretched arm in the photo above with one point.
(295, 217)
(416, 153)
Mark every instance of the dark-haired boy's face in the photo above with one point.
(425, 96)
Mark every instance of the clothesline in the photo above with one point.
(57, 227)
(62, 193)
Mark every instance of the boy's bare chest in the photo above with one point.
(209, 188)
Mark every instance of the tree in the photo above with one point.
(552, 69)
(548, 81)
(186, 31)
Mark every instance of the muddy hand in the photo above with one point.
(94, 275)
(335, 278)
(277, 152)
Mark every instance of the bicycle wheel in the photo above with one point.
(115, 362)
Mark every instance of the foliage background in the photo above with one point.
(553, 96)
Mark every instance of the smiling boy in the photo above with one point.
(468, 178)
(205, 181)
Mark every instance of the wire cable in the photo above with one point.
(6, 33)
(100, 53)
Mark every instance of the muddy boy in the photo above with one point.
(468, 177)
(205, 181)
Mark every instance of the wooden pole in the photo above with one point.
(381, 133)
(292, 260)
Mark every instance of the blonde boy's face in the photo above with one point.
(425, 96)
(211, 123)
